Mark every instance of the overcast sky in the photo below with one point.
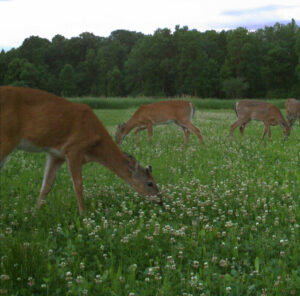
(20, 19)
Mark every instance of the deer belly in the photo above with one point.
(30, 147)
(163, 122)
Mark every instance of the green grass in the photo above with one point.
(126, 103)
(229, 226)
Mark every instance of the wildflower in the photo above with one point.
(4, 277)
(68, 276)
(8, 230)
(196, 264)
(223, 263)
(79, 279)
(98, 279)
(30, 282)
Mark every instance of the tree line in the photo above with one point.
(227, 64)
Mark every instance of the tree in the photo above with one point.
(114, 83)
(234, 87)
(67, 81)
(14, 70)
(30, 75)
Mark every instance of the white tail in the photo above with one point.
(248, 110)
(179, 112)
(292, 108)
(35, 120)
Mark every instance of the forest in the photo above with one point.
(229, 64)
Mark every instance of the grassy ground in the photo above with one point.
(229, 226)
(126, 103)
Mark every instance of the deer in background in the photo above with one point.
(269, 114)
(38, 121)
(179, 112)
(292, 108)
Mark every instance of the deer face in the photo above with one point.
(143, 182)
(120, 133)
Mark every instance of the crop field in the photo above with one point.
(230, 224)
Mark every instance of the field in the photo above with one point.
(229, 225)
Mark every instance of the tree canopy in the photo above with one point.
(235, 63)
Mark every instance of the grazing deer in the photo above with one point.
(292, 108)
(179, 112)
(247, 110)
(37, 121)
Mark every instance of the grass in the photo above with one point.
(229, 226)
(126, 103)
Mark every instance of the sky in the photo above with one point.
(20, 19)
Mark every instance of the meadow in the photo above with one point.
(229, 224)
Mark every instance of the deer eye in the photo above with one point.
(150, 184)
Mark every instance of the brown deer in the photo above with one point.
(179, 112)
(292, 108)
(37, 121)
(248, 110)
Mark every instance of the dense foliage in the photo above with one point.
(235, 63)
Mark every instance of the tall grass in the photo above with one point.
(125, 103)
(229, 224)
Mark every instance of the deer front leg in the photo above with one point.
(52, 165)
(234, 126)
(75, 164)
(266, 130)
(242, 127)
(194, 129)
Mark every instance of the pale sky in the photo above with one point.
(20, 19)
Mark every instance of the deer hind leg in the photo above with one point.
(266, 130)
(242, 127)
(194, 129)
(239, 122)
(52, 165)
(185, 131)
(75, 164)
(139, 129)
(186, 135)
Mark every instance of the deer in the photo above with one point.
(269, 114)
(164, 112)
(292, 107)
(39, 121)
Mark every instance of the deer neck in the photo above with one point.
(112, 157)
(129, 126)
